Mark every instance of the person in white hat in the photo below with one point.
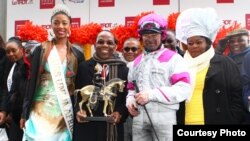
(216, 85)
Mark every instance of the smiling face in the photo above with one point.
(238, 43)
(130, 50)
(61, 25)
(105, 45)
(196, 45)
(151, 41)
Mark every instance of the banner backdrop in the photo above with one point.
(110, 13)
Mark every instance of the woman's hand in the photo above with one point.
(22, 123)
(81, 116)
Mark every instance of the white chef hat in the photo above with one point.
(197, 22)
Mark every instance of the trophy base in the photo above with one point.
(107, 119)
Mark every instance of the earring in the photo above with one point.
(69, 33)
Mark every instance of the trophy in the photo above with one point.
(101, 91)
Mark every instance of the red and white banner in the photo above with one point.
(19, 24)
(225, 1)
(76, 22)
(47, 4)
(106, 3)
(248, 21)
(129, 21)
(161, 2)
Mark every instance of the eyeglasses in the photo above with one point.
(102, 42)
(127, 49)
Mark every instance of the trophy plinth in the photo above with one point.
(99, 118)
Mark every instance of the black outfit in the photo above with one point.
(13, 105)
(222, 93)
(97, 131)
(3, 95)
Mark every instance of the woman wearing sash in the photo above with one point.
(111, 67)
(47, 105)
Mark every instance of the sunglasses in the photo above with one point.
(127, 49)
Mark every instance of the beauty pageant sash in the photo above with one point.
(62, 92)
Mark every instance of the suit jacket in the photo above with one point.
(222, 93)
(96, 131)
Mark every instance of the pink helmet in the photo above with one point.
(152, 23)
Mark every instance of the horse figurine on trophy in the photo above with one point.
(105, 91)
(107, 94)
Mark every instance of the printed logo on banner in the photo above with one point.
(161, 2)
(248, 21)
(228, 22)
(47, 4)
(106, 3)
(129, 21)
(76, 22)
(108, 25)
(17, 2)
(46, 26)
(74, 1)
(225, 1)
(19, 24)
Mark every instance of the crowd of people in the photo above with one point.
(50, 92)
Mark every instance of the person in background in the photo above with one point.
(111, 67)
(163, 82)
(171, 42)
(238, 42)
(131, 49)
(216, 88)
(30, 46)
(3, 97)
(16, 77)
(48, 109)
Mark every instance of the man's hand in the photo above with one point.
(141, 98)
(116, 117)
(81, 115)
(2, 117)
(132, 108)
